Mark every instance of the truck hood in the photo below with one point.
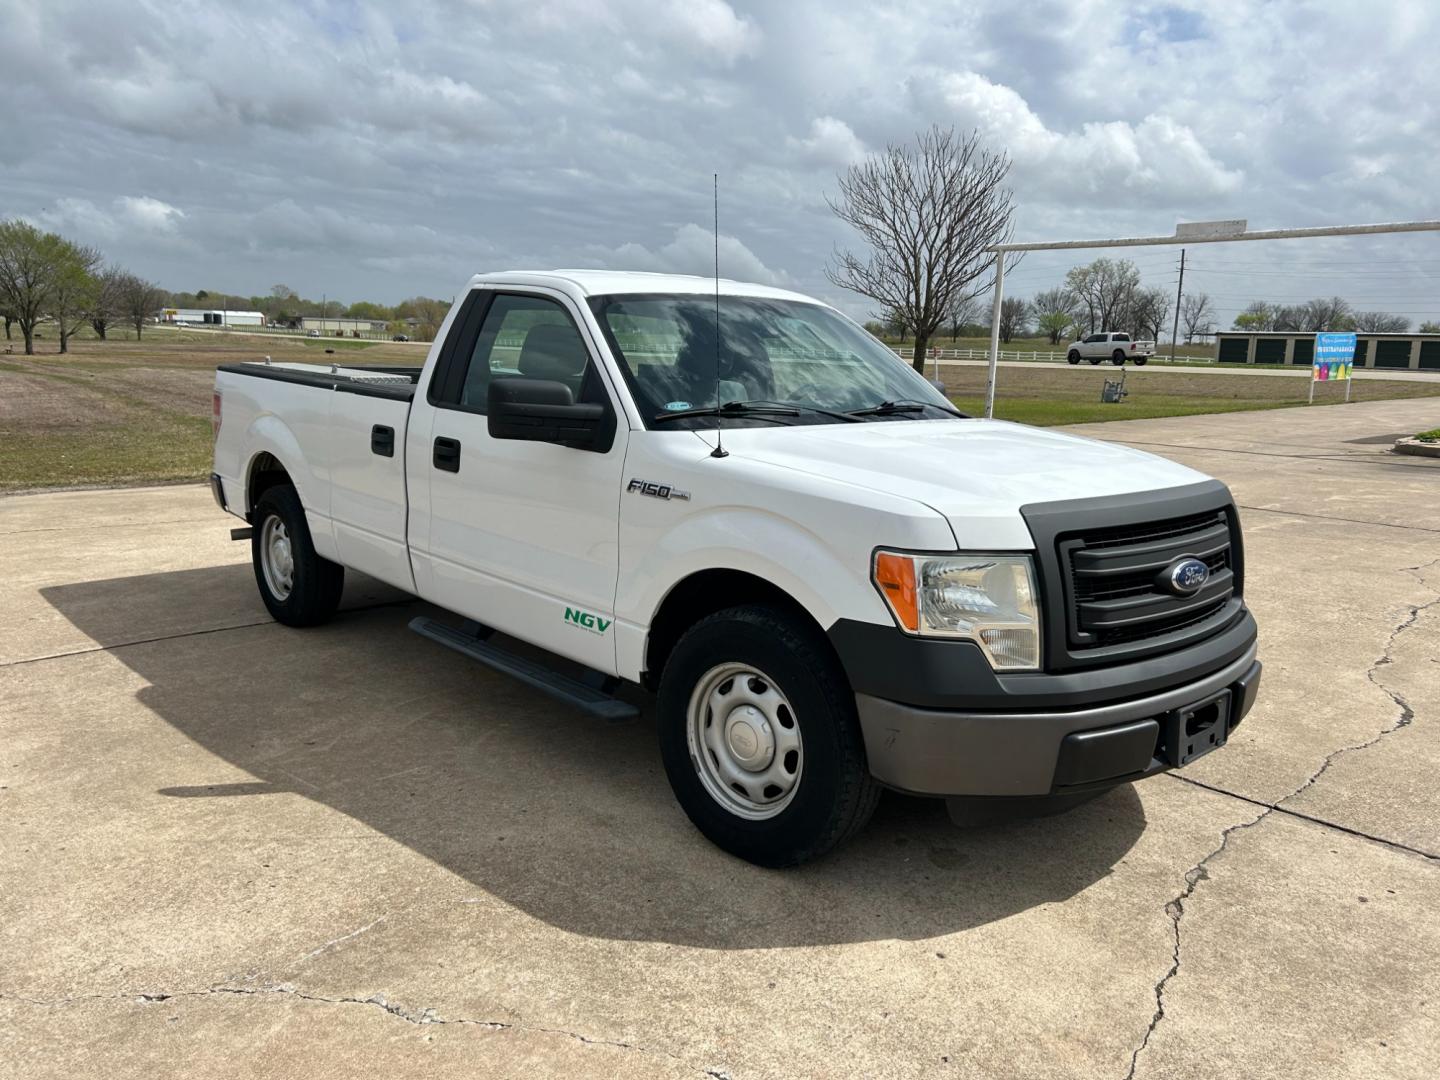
(977, 473)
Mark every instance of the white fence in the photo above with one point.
(933, 353)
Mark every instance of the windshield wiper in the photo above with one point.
(848, 418)
(903, 406)
(730, 408)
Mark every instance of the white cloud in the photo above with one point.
(1156, 154)
(149, 214)
(692, 251)
(830, 143)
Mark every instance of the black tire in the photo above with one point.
(1140, 361)
(835, 794)
(1118, 358)
(1073, 357)
(316, 583)
(1095, 360)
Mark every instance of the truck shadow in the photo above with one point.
(563, 817)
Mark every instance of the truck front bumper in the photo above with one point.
(928, 751)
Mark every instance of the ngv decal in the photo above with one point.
(594, 623)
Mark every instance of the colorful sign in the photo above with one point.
(1334, 355)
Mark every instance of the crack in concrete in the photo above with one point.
(420, 1017)
(1175, 909)
(1394, 845)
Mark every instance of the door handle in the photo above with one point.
(447, 454)
(382, 440)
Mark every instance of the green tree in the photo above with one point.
(1054, 312)
(30, 263)
(76, 290)
(1430, 327)
(1257, 316)
(366, 309)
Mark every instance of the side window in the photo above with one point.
(1122, 337)
(529, 336)
(1093, 338)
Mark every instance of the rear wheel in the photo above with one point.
(760, 738)
(298, 586)
(1073, 357)
(1139, 361)
(1117, 357)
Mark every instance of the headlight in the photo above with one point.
(987, 599)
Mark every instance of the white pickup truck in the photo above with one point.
(1115, 347)
(833, 580)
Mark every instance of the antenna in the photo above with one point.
(719, 450)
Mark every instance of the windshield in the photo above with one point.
(771, 351)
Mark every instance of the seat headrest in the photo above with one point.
(552, 351)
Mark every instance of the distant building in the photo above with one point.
(212, 317)
(1416, 352)
(342, 325)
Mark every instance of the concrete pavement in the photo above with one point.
(235, 849)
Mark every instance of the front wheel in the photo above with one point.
(1073, 357)
(760, 738)
(299, 587)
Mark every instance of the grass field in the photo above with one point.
(126, 412)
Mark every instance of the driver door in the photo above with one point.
(523, 536)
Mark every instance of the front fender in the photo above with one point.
(827, 584)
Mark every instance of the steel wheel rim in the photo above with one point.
(744, 741)
(277, 558)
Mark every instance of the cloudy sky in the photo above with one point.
(378, 150)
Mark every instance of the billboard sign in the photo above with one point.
(1334, 355)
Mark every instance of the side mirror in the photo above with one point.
(540, 410)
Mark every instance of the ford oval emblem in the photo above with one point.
(1184, 577)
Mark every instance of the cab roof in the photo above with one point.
(611, 282)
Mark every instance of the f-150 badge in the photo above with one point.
(656, 491)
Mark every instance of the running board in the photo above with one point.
(571, 691)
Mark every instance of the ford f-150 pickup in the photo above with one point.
(735, 497)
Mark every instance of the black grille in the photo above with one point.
(1113, 577)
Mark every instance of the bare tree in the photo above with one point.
(1332, 313)
(1430, 326)
(1198, 314)
(139, 300)
(74, 294)
(109, 304)
(1289, 317)
(1150, 312)
(1104, 289)
(962, 313)
(1380, 322)
(30, 261)
(1054, 312)
(928, 212)
(1014, 317)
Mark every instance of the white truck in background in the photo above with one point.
(738, 499)
(1116, 346)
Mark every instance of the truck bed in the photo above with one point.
(396, 383)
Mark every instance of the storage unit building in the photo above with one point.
(1413, 352)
